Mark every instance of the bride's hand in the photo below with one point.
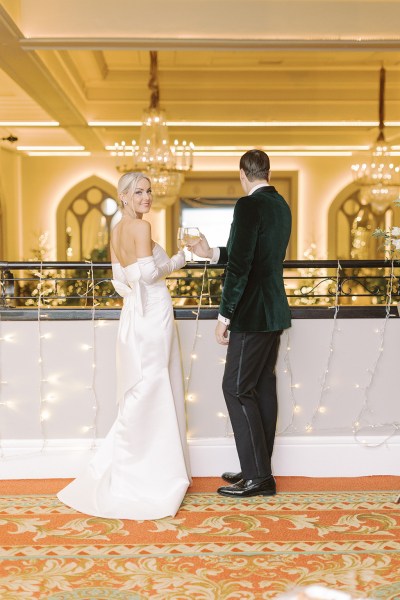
(201, 248)
(179, 259)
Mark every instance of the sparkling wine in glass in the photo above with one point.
(180, 238)
(191, 235)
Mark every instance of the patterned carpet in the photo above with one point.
(215, 548)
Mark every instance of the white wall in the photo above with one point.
(330, 448)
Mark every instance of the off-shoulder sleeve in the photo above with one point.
(150, 272)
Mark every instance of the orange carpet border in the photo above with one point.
(210, 484)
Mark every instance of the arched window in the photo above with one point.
(351, 223)
(85, 217)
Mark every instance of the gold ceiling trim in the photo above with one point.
(246, 124)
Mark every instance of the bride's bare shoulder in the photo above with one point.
(132, 226)
(140, 228)
(141, 224)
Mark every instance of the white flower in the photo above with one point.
(396, 231)
(396, 244)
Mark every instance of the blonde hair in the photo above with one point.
(127, 185)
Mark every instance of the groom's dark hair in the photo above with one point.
(255, 164)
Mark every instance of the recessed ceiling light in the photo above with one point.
(50, 153)
(29, 123)
(45, 148)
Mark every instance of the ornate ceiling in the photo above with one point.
(225, 82)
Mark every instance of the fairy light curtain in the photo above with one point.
(48, 401)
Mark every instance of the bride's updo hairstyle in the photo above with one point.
(127, 186)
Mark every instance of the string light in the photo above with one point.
(2, 382)
(288, 370)
(324, 387)
(193, 355)
(8, 338)
(87, 428)
(365, 409)
(228, 428)
(90, 287)
(91, 291)
(360, 424)
(44, 413)
(42, 378)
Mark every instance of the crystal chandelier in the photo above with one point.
(165, 164)
(377, 175)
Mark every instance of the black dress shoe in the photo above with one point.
(231, 477)
(250, 487)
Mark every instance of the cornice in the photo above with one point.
(358, 44)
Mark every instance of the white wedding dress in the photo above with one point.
(141, 469)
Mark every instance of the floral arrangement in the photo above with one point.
(391, 240)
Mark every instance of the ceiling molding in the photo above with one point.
(101, 63)
(317, 44)
(31, 74)
(300, 89)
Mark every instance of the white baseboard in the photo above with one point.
(333, 456)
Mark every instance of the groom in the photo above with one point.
(255, 309)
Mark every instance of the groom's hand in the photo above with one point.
(202, 248)
(221, 334)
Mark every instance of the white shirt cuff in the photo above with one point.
(215, 255)
(224, 320)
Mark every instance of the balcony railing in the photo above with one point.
(308, 283)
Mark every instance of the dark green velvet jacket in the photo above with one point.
(253, 295)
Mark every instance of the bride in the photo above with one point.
(141, 469)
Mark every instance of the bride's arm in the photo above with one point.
(149, 271)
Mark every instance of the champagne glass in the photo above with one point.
(191, 235)
(180, 238)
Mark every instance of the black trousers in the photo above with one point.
(249, 387)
